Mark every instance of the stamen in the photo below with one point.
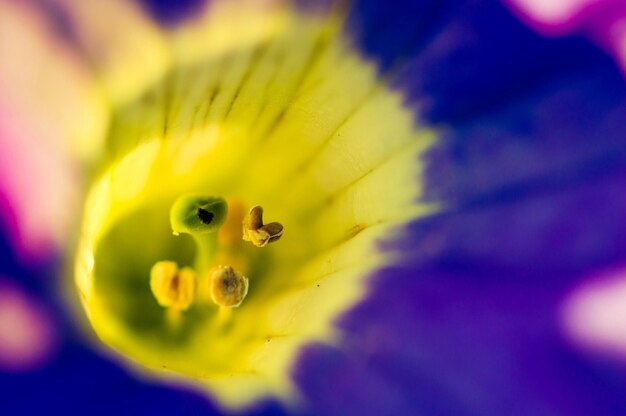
(172, 288)
(254, 220)
(256, 232)
(228, 288)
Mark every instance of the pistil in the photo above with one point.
(201, 217)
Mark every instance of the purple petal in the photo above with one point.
(471, 324)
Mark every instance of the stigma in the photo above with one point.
(173, 287)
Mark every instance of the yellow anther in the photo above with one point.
(172, 288)
(258, 233)
(254, 219)
(227, 286)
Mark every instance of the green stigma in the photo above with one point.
(197, 214)
(201, 217)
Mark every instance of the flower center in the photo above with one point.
(297, 124)
(200, 217)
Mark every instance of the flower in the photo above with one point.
(441, 176)
(267, 133)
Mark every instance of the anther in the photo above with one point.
(172, 288)
(258, 233)
(227, 287)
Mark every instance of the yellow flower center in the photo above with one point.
(293, 121)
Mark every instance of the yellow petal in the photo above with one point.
(294, 121)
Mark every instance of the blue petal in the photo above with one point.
(575, 229)
(171, 12)
(457, 345)
(80, 382)
(532, 172)
(458, 59)
(569, 128)
(470, 325)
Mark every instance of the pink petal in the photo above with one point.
(37, 186)
(51, 120)
(604, 21)
(27, 335)
(594, 314)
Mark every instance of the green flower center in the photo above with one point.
(296, 123)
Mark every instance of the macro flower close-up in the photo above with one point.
(313, 207)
